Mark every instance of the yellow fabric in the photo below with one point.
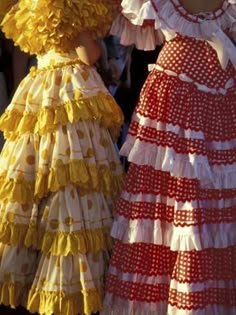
(59, 170)
(76, 242)
(16, 191)
(91, 178)
(56, 23)
(85, 302)
(56, 243)
(59, 93)
(9, 292)
(102, 106)
(19, 235)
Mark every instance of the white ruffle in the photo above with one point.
(165, 279)
(180, 165)
(167, 19)
(144, 38)
(113, 305)
(117, 306)
(177, 238)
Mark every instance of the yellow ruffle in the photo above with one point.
(38, 27)
(80, 242)
(47, 303)
(87, 178)
(102, 107)
(57, 243)
(91, 178)
(9, 293)
(20, 235)
(16, 190)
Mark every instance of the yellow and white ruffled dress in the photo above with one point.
(59, 170)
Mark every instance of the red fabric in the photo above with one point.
(177, 116)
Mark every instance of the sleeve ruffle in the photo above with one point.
(143, 22)
(38, 27)
(138, 24)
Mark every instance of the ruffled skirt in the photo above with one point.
(175, 226)
(59, 177)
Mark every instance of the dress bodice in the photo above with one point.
(154, 18)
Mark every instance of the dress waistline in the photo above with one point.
(201, 87)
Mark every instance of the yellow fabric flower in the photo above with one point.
(38, 26)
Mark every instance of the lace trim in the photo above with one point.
(186, 238)
(34, 71)
(165, 212)
(180, 144)
(213, 15)
(159, 292)
(144, 179)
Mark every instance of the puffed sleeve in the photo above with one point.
(139, 24)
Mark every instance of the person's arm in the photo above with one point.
(88, 49)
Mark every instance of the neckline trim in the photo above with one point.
(201, 16)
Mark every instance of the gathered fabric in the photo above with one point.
(174, 227)
(60, 173)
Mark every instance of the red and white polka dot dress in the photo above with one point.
(175, 228)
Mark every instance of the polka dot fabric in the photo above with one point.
(59, 177)
(197, 59)
(175, 222)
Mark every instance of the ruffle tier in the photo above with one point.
(61, 285)
(55, 227)
(69, 102)
(25, 184)
(121, 306)
(152, 279)
(175, 219)
(186, 131)
(60, 175)
(68, 285)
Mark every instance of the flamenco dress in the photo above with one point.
(59, 169)
(175, 223)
